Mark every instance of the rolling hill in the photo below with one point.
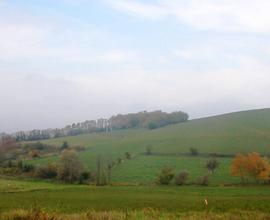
(228, 134)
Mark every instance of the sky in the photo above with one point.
(68, 61)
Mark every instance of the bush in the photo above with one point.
(152, 125)
(166, 176)
(64, 145)
(181, 178)
(119, 161)
(34, 154)
(203, 181)
(28, 168)
(10, 171)
(149, 149)
(85, 176)
(212, 164)
(193, 151)
(128, 156)
(47, 172)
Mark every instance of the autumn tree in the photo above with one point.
(70, 167)
(238, 167)
(258, 167)
(250, 166)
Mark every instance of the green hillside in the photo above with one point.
(225, 134)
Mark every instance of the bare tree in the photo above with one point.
(7, 143)
(101, 178)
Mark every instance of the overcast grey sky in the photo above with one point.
(71, 60)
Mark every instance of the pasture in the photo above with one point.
(18, 194)
(229, 134)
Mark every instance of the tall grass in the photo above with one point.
(145, 214)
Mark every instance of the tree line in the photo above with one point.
(150, 120)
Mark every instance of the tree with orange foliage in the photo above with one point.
(251, 165)
(238, 167)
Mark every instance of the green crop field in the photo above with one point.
(77, 198)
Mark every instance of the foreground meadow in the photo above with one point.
(146, 214)
(27, 198)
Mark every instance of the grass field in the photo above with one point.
(78, 199)
(233, 133)
(134, 195)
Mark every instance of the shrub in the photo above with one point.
(10, 171)
(181, 178)
(28, 168)
(25, 167)
(166, 175)
(34, 154)
(64, 145)
(193, 151)
(212, 164)
(149, 149)
(85, 176)
(128, 156)
(47, 172)
(119, 160)
(203, 181)
(152, 125)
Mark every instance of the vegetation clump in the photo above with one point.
(151, 120)
(203, 180)
(193, 151)
(47, 172)
(65, 145)
(212, 165)
(128, 155)
(166, 175)
(252, 166)
(181, 178)
(149, 150)
(70, 167)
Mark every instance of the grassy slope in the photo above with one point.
(231, 133)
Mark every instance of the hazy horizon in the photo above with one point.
(70, 61)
